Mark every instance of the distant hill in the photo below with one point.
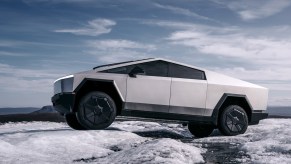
(20, 110)
(46, 113)
(52, 117)
(46, 109)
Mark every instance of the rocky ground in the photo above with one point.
(147, 142)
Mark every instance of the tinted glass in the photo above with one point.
(179, 71)
(119, 70)
(155, 68)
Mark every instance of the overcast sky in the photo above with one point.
(41, 40)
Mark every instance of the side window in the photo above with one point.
(119, 70)
(155, 68)
(179, 71)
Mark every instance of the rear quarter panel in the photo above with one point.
(219, 84)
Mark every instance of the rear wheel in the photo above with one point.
(72, 121)
(200, 130)
(96, 110)
(233, 121)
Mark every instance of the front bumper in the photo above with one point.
(64, 102)
(257, 116)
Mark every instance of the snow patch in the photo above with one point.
(270, 141)
(157, 151)
(46, 142)
(41, 142)
(142, 127)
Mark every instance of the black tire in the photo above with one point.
(72, 121)
(200, 130)
(233, 121)
(96, 110)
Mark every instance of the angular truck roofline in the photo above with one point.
(144, 61)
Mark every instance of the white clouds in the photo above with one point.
(12, 54)
(251, 10)
(119, 44)
(264, 53)
(93, 28)
(184, 25)
(260, 74)
(182, 11)
(169, 24)
(27, 73)
(236, 43)
(32, 80)
(114, 50)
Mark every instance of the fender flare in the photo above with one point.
(85, 82)
(224, 97)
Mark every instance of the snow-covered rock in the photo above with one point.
(44, 142)
(157, 151)
(270, 141)
(140, 142)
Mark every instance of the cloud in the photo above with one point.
(118, 56)
(261, 47)
(119, 44)
(114, 50)
(264, 54)
(237, 45)
(266, 58)
(9, 70)
(31, 80)
(182, 11)
(176, 25)
(94, 27)
(13, 54)
(18, 43)
(251, 10)
(259, 74)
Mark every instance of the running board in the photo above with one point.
(130, 118)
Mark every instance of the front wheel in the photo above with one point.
(233, 121)
(72, 121)
(200, 130)
(96, 111)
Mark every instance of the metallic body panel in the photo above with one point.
(187, 110)
(219, 84)
(148, 90)
(146, 107)
(189, 94)
(168, 116)
(165, 95)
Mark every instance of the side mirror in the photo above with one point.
(136, 71)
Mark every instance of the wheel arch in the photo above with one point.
(107, 86)
(231, 99)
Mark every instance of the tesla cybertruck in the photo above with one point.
(159, 89)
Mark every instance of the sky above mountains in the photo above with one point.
(42, 40)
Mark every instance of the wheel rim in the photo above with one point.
(235, 120)
(97, 109)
